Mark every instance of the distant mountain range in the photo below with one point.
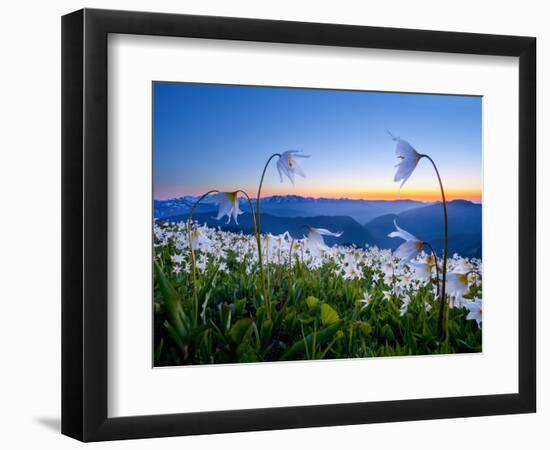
(296, 206)
(292, 213)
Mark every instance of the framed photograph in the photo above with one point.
(273, 224)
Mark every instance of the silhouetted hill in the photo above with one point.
(426, 223)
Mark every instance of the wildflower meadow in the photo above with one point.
(234, 297)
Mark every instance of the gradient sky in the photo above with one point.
(219, 137)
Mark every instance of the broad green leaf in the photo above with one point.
(328, 315)
(322, 337)
(312, 302)
(240, 329)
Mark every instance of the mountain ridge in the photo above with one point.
(361, 210)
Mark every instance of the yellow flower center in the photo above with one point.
(463, 278)
(418, 246)
(430, 262)
(232, 196)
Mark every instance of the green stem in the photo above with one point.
(258, 233)
(290, 262)
(445, 248)
(427, 244)
(251, 210)
(193, 263)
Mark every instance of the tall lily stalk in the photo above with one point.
(229, 206)
(445, 248)
(434, 255)
(409, 160)
(258, 232)
(193, 261)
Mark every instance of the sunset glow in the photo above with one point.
(213, 136)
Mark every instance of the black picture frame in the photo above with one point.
(84, 224)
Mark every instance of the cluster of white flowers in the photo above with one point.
(400, 277)
(402, 272)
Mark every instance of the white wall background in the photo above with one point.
(30, 225)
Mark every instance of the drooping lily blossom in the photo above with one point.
(409, 249)
(409, 160)
(474, 310)
(315, 237)
(457, 283)
(287, 164)
(228, 205)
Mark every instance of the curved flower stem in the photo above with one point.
(193, 263)
(251, 210)
(445, 248)
(290, 264)
(427, 244)
(254, 223)
(258, 233)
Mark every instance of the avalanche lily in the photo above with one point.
(475, 311)
(198, 238)
(366, 300)
(409, 249)
(409, 160)
(423, 269)
(315, 237)
(287, 165)
(457, 283)
(228, 205)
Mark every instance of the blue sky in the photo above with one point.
(219, 137)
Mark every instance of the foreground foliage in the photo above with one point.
(324, 303)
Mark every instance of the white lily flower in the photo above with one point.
(177, 259)
(409, 249)
(475, 311)
(423, 269)
(457, 284)
(351, 272)
(198, 238)
(287, 164)
(405, 305)
(366, 300)
(409, 159)
(229, 205)
(315, 237)
(401, 233)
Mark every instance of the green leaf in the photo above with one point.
(322, 337)
(366, 328)
(328, 315)
(239, 306)
(239, 330)
(312, 302)
(171, 302)
(387, 333)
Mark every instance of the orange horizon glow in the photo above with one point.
(427, 195)
(423, 196)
